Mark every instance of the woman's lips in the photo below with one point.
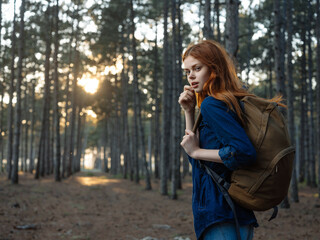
(194, 84)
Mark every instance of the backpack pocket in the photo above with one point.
(277, 174)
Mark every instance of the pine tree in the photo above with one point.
(17, 122)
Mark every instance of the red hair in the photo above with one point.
(223, 83)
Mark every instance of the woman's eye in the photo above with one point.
(198, 68)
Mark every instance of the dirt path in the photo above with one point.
(97, 207)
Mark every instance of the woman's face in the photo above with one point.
(197, 73)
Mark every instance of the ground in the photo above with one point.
(96, 206)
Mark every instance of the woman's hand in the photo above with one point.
(190, 143)
(187, 99)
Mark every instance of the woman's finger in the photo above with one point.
(187, 87)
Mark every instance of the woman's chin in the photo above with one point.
(197, 90)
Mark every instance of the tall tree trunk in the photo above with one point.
(56, 96)
(165, 135)
(124, 111)
(279, 60)
(11, 90)
(179, 88)
(1, 122)
(270, 65)
(232, 27)
(133, 155)
(278, 48)
(26, 133)
(137, 97)
(302, 157)
(249, 41)
(105, 144)
(51, 141)
(21, 147)
(174, 120)
(73, 118)
(80, 127)
(311, 155)
(217, 9)
(31, 151)
(290, 101)
(73, 99)
(318, 88)
(43, 158)
(135, 147)
(2, 89)
(157, 108)
(17, 122)
(207, 31)
(200, 19)
(67, 99)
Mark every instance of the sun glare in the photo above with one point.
(114, 69)
(90, 85)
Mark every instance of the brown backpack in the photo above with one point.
(264, 184)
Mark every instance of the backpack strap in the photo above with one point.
(274, 214)
(197, 122)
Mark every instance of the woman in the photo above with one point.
(222, 143)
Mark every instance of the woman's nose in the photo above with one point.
(191, 75)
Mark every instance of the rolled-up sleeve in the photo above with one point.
(237, 150)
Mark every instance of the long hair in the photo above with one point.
(223, 83)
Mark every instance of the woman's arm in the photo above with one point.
(189, 116)
(190, 143)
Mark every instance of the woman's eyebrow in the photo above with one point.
(191, 66)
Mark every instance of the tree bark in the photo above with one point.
(2, 94)
(26, 133)
(137, 103)
(217, 9)
(232, 27)
(157, 109)
(249, 41)
(311, 155)
(124, 110)
(80, 127)
(179, 87)
(67, 99)
(174, 120)
(278, 48)
(1, 124)
(43, 158)
(318, 87)
(74, 98)
(290, 101)
(302, 157)
(279, 60)
(17, 122)
(105, 144)
(56, 96)
(31, 152)
(11, 90)
(207, 30)
(165, 128)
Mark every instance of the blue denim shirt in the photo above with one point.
(219, 129)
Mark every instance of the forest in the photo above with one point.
(90, 88)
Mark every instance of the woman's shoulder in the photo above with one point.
(213, 103)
